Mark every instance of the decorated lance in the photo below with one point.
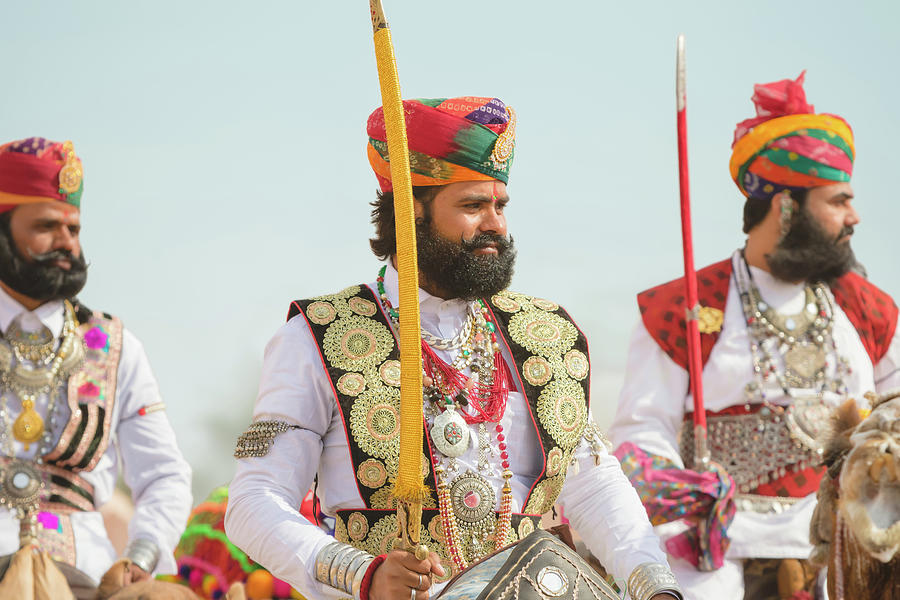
(409, 487)
(695, 366)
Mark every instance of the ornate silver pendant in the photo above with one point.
(20, 486)
(472, 497)
(450, 433)
(807, 419)
(805, 361)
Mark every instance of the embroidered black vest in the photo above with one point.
(360, 356)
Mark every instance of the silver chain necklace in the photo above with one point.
(457, 340)
(803, 341)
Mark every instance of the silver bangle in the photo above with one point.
(649, 579)
(356, 586)
(339, 567)
(324, 559)
(342, 567)
(357, 561)
(143, 553)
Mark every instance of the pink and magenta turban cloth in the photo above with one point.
(787, 146)
(39, 170)
(450, 139)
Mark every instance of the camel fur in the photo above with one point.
(855, 529)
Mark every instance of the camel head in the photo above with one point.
(869, 480)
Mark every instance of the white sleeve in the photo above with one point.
(264, 497)
(651, 406)
(153, 467)
(607, 513)
(887, 371)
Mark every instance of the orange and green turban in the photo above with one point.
(787, 146)
(38, 170)
(450, 139)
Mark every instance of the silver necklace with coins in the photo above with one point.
(805, 343)
(28, 371)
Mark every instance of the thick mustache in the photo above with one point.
(485, 240)
(845, 232)
(45, 260)
(47, 257)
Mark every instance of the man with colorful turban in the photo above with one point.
(78, 401)
(508, 430)
(788, 330)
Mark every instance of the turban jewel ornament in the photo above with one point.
(39, 170)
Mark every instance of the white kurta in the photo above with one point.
(262, 515)
(151, 464)
(655, 398)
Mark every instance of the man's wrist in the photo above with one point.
(342, 567)
(143, 553)
(649, 579)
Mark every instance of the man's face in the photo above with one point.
(40, 251)
(831, 207)
(464, 250)
(44, 227)
(464, 210)
(817, 246)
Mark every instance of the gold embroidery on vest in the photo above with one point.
(371, 473)
(545, 494)
(351, 384)
(362, 307)
(562, 410)
(357, 526)
(554, 462)
(390, 372)
(576, 364)
(543, 333)
(537, 371)
(356, 343)
(321, 313)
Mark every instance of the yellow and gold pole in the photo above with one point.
(409, 488)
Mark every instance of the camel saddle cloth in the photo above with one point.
(538, 567)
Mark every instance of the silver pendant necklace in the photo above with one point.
(450, 433)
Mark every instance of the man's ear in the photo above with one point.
(418, 209)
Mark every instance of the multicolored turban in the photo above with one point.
(787, 146)
(38, 170)
(450, 139)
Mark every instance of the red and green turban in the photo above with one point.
(450, 139)
(787, 146)
(38, 170)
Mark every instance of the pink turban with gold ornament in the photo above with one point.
(37, 170)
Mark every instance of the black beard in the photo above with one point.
(807, 253)
(455, 270)
(39, 278)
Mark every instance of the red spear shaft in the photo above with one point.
(695, 366)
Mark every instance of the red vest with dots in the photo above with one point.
(871, 311)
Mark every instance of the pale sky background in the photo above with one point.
(225, 166)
